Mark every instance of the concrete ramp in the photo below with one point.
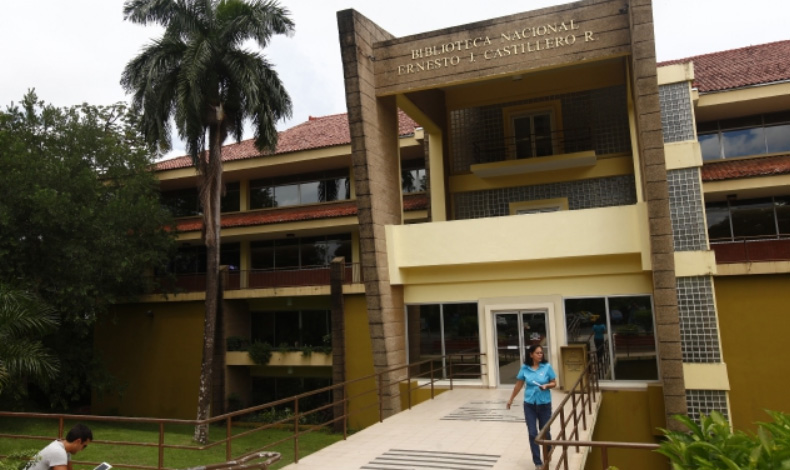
(462, 429)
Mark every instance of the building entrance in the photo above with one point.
(515, 330)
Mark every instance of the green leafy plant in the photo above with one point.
(17, 460)
(711, 444)
(307, 351)
(236, 343)
(628, 330)
(260, 353)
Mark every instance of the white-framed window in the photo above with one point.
(537, 207)
(532, 130)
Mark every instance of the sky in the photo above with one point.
(74, 51)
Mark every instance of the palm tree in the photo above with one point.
(198, 74)
(24, 318)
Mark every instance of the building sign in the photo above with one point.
(508, 43)
(552, 37)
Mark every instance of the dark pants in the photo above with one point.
(536, 416)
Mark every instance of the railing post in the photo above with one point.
(451, 371)
(604, 457)
(60, 427)
(161, 464)
(296, 430)
(228, 433)
(345, 412)
(432, 394)
(381, 398)
(408, 386)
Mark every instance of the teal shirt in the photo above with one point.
(542, 375)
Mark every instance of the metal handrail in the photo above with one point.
(432, 371)
(584, 392)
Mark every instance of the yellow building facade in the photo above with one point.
(493, 186)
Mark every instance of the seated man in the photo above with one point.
(57, 455)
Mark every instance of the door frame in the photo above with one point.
(522, 341)
(551, 305)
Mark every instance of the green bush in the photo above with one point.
(17, 460)
(711, 444)
(260, 353)
(236, 343)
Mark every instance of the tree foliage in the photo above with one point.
(712, 445)
(24, 319)
(80, 219)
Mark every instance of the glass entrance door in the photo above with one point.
(515, 330)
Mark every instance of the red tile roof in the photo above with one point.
(411, 202)
(736, 68)
(766, 166)
(317, 132)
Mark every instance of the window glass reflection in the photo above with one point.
(777, 138)
(709, 144)
(783, 215)
(744, 142)
(752, 218)
(718, 217)
(287, 195)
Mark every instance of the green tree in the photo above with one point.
(24, 319)
(80, 222)
(198, 74)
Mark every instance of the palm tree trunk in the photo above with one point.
(210, 194)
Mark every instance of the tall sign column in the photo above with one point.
(374, 151)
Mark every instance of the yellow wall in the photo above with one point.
(754, 320)
(412, 394)
(359, 363)
(628, 416)
(156, 357)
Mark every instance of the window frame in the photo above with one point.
(510, 114)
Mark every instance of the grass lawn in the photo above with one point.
(119, 455)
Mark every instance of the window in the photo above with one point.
(628, 351)
(300, 189)
(413, 176)
(531, 130)
(536, 207)
(746, 136)
(292, 329)
(437, 329)
(192, 259)
(186, 202)
(299, 252)
(749, 219)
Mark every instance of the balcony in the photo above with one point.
(751, 250)
(267, 278)
(569, 148)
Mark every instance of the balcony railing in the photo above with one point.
(556, 143)
(265, 278)
(751, 250)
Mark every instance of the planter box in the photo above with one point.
(281, 359)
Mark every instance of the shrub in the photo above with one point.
(17, 460)
(260, 353)
(236, 343)
(711, 444)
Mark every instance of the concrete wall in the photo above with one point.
(156, 356)
(753, 316)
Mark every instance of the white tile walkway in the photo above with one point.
(462, 429)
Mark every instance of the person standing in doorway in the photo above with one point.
(539, 377)
(57, 455)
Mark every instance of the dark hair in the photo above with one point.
(531, 349)
(79, 431)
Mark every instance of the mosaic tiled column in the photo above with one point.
(699, 333)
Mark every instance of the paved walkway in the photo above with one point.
(463, 429)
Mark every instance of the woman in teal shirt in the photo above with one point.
(539, 376)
